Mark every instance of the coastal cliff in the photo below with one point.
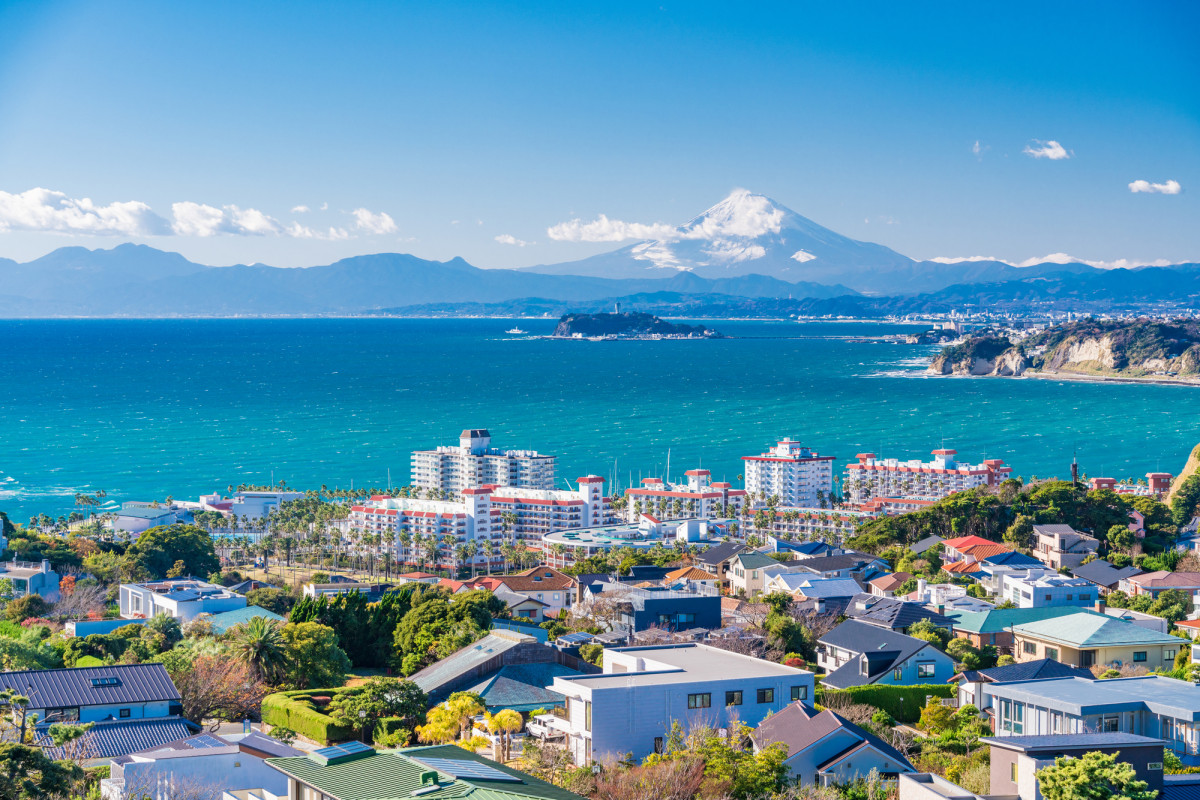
(628, 325)
(1105, 348)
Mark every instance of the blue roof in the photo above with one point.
(1080, 697)
(229, 619)
(120, 737)
(1071, 741)
(1012, 558)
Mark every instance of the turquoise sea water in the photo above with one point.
(146, 409)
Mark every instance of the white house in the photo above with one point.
(182, 598)
(631, 706)
(30, 578)
(137, 517)
(1038, 588)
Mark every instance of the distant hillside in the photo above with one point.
(628, 325)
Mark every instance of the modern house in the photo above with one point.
(1087, 639)
(182, 598)
(888, 585)
(691, 577)
(355, 771)
(893, 614)
(826, 749)
(641, 608)
(1040, 588)
(1151, 705)
(137, 517)
(1155, 583)
(807, 587)
(973, 683)
(30, 578)
(643, 690)
(191, 767)
(1059, 546)
(1103, 575)
(718, 559)
(858, 654)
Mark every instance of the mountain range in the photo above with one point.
(747, 249)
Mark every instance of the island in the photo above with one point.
(1165, 351)
(627, 325)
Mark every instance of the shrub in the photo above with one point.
(390, 732)
(294, 710)
(904, 703)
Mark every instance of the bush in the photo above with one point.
(88, 661)
(904, 703)
(295, 711)
(390, 732)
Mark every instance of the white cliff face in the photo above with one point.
(1089, 350)
(1009, 364)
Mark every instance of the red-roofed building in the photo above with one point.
(873, 477)
(795, 474)
(699, 497)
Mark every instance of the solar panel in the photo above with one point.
(339, 754)
(356, 747)
(473, 770)
(204, 741)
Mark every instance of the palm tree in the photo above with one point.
(259, 644)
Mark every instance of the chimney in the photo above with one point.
(1100, 604)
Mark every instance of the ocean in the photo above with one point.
(150, 408)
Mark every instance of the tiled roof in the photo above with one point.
(754, 560)
(925, 544)
(962, 567)
(1092, 630)
(1167, 580)
(799, 727)
(60, 688)
(118, 738)
(538, 578)
(223, 622)
(1011, 558)
(893, 613)
(883, 647)
(966, 541)
(888, 583)
(397, 774)
(720, 552)
(523, 687)
(691, 574)
(981, 551)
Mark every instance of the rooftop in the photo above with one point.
(1102, 573)
(1081, 696)
(674, 663)
(1085, 629)
(229, 619)
(1070, 741)
(90, 686)
(999, 620)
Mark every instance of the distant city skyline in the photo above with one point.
(296, 134)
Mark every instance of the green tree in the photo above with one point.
(155, 552)
(259, 643)
(1185, 501)
(165, 629)
(27, 773)
(363, 706)
(1120, 538)
(1092, 776)
(926, 630)
(313, 657)
(592, 653)
(279, 601)
(27, 607)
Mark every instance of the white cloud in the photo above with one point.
(198, 219)
(45, 210)
(603, 229)
(1170, 187)
(732, 252)
(802, 256)
(506, 238)
(300, 210)
(1120, 263)
(374, 223)
(1049, 149)
(298, 231)
(979, 148)
(324, 206)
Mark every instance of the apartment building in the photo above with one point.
(1155, 485)
(802, 523)
(563, 548)
(872, 477)
(474, 463)
(698, 497)
(1059, 546)
(631, 706)
(796, 474)
(1036, 588)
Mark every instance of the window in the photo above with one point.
(766, 695)
(897, 674)
(124, 713)
(799, 692)
(1052, 653)
(1029, 647)
(1169, 654)
(1139, 655)
(1154, 765)
(587, 715)
(733, 698)
(1012, 772)
(658, 744)
(1110, 724)
(925, 670)
(1047, 598)
(700, 700)
(62, 714)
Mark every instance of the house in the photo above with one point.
(205, 762)
(479, 662)
(826, 749)
(247, 586)
(640, 608)
(31, 578)
(1150, 705)
(1015, 761)
(1087, 639)
(804, 586)
(427, 578)
(643, 690)
(552, 587)
(230, 619)
(1155, 583)
(857, 654)
(1037, 589)
(1104, 575)
(857, 566)
(972, 684)
(132, 705)
(692, 576)
(182, 598)
(970, 548)
(888, 585)
(893, 614)
(373, 591)
(522, 606)
(718, 559)
(1059, 546)
(802, 550)
(355, 771)
(735, 611)
(746, 572)
(994, 626)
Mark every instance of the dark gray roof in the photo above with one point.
(59, 688)
(1181, 787)
(881, 647)
(120, 737)
(888, 612)
(1070, 741)
(721, 552)
(1050, 530)
(925, 544)
(828, 563)
(1102, 573)
(1034, 670)
(798, 727)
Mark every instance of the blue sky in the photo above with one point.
(462, 129)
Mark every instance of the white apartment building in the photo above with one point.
(699, 497)
(793, 473)
(874, 477)
(643, 690)
(1040, 588)
(490, 516)
(475, 463)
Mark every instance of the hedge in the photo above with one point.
(904, 703)
(391, 731)
(295, 710)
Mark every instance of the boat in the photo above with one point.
(516, 331)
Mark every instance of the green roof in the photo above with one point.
(394, 775)
(755, 560)
(999, 620)
(224, 621)
(1093, 630)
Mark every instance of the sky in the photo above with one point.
(297, 133)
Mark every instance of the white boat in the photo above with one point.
(516, 331)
